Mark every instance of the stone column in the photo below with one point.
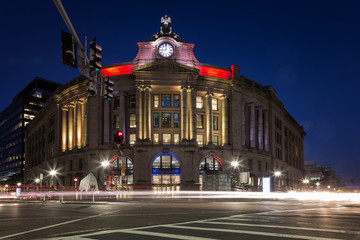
(78, 124)
(64, 112)
(193, 114)
(147, 111)
(209, 117)
(224, 120)
(106, 121)
(252, 125)
(183, 113)
(260, 129)
(83, 123)
(266, 130)
(139, 113)
(71, 130)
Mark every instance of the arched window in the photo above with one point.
(166, 170)
(210, 164)
(118, 162)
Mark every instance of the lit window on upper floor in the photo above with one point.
(214, 104)
(37, 94)
(199, 102)
(176, 100)
(132, 139)
(156, 100)
(166, 100)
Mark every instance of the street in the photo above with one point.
(180, 219)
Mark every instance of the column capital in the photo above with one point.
(224, 96)
(209, 94)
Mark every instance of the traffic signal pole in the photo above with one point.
(67, 21)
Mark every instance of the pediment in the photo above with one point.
(165, 66)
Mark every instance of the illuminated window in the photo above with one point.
(156, 100)
(166, 138)
(176, 100)
(199, 102)
(176, 120)
(166, 100)
(117, 121)
(215, 140)
(210, 164)
(156, 120)
(132, 120)
(166, 119)
(37, 94)
(176, 138)
(166, 161)
(214, 104)
(132, 139)
(200, 140)
(215, 123)
(199, 121)
(156, 138)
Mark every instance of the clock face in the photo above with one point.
(166, 50)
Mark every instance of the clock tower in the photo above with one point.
(166, 45)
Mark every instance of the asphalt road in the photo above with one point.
(181, 219)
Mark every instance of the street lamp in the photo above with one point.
(19, 184)
(234, 164)
(277, 174)
(37, 180)
(105, 163)
(306, 181)
(53, 172)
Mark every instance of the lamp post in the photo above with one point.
(105, 164)
(234, 165)
(306, 182)
(277, 174)
(37, 180)
(52, 174)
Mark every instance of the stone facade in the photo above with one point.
(183, 122)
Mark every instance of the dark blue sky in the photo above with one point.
(309, 51)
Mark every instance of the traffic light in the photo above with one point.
(68, 48)
(119, 138)
(91, 88)
(109, 88)
(95, 56)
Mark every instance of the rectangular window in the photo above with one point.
(199, 102)
(214, 104)
(176, 100)
(116, 102)
(117, 121)
(156, 100)
(215, 140)
(71, 165)
(166, 120)
(156, 138)
(132, 139)
(156, 120)
(166, 100)
(132, 120)
(176, 120)
(176, 138)
(200, 140)
(166, 138)
(199, 121)
(215, 123)
(132, 101)
(266, 167)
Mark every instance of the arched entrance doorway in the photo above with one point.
(165, 174)
(121, 173)
(210, 174)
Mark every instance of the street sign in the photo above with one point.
(81, 63)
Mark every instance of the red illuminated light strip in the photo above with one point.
(204, 71)
(214, 72)
(118, 70)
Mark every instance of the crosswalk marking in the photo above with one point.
(285, 227)
(250, 232)
(167, 235)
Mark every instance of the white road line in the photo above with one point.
(251, 232)
(55, 225)
(165, 235)
(284, 227)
